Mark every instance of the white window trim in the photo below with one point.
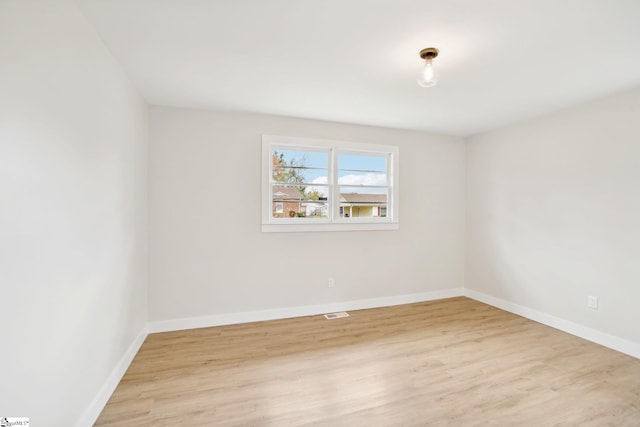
(334, 222)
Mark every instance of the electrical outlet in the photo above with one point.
(592, 302)
(331, 282)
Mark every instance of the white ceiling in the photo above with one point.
(356, 61)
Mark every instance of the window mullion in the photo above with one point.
(334, 195)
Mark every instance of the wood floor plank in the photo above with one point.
(453, 362)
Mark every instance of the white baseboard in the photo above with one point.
(306, 310)
(616, 343)
(98, 403)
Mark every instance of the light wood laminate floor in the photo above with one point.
(453, 362)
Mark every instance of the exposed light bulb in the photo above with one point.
(428, 77)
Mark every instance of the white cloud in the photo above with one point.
(363, 179)
(320, 180)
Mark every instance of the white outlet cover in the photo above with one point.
(592, 302)
(336, 315)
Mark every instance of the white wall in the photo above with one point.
(73, 256)
(207, 252)
(553, 213)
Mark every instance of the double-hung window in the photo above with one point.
(321, 185)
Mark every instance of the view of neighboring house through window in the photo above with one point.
(363, 185)
(328, 185)
(294, 180)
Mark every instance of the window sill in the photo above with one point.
(297, 228)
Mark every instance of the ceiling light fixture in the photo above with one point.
(428, 76)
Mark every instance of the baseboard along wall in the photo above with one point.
(91, 414)
(613, 342)
(299, 311)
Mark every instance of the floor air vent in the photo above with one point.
(336, 315)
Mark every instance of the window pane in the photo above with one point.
(289, 201)
(359, 202)
(353, 178)
(363, 162)
(299, 166)
(362, 170)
